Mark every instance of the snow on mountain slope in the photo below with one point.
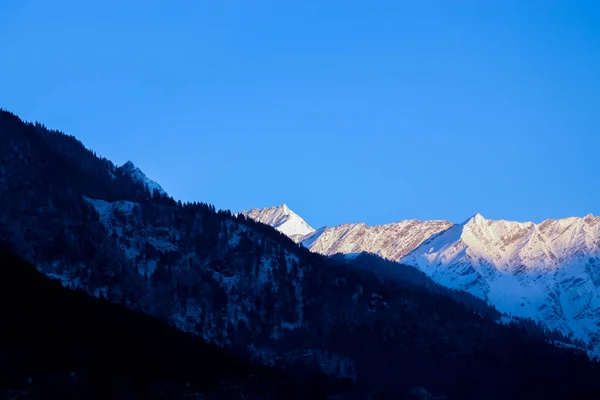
(137, 175)
(548, 271)
(391, 241)
(281, 218)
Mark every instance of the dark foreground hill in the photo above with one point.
(57, 343)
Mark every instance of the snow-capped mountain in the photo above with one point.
(139, 176)
(548, 271)
(283, 219)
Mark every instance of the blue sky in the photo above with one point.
(345, 110)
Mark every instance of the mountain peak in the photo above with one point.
(476, 218)
(129, 165)
(129, 168)
(479, 218)
(281, 218)
(282, 208)
(589, 217)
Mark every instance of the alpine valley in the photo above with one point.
(263, 308)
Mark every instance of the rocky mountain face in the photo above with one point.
(246, 287)
(392, 241)
(549, 272)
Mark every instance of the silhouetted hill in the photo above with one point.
(57, 343)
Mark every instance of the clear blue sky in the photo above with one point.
(347, 111)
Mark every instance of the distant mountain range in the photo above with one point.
(549, 271)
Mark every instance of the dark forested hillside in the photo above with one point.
(246, 287)
(410, 277)
(63, 344)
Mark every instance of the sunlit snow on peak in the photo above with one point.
(281, 218)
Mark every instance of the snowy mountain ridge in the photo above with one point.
(548, 271)
(391, 241)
